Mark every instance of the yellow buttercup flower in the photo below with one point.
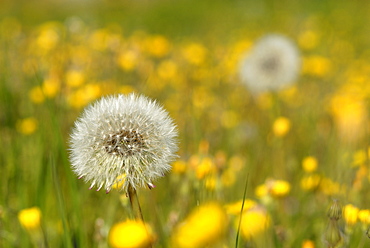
(280, 188)
(281, 126)
(75, 78)
(27, 126)
(310, 182)
(131, 234)
(36, 95)
(308, 39)
(309, 164)
(195, 53)
(308, 244)
(179, 167)
(203, 227)
(350, 213)
(30, 218)
(205, 167)
(235, 208)
(254, 222)
(364, 216)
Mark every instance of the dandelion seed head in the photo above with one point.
(126, 135)
(272, 64)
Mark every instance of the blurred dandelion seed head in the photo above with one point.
(126, 135)
(272, 64)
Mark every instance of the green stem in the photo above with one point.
(135, 205)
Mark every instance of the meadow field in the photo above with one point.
(273, 167)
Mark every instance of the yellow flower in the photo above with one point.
(50, 87)
(30, 218)
(75, 78)
(254, 222)
(158, 46)
(195, 53)
(131, 234)
(308, 244)
(280, 188)
(36, 95)
(261, 191)
(205, 167)
(350, 213)
(359, 158)
(235, 208)
(27, 126)
(48, 37)
(119, 182)
(316, 66)
(310, 182)
(281, 126)
(309, 164)
(167, 69)
(127, 60)
(203, 227)
(364, 216)
(179, 167)
(275, 188)
(308, 40)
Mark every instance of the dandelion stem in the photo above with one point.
(135, 204)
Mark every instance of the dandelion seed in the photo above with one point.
(126, 140)
(272, 64)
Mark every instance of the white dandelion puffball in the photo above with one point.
(272, 64)
(123, 140)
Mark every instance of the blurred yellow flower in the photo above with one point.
(119, 182)
(350, 214)
(127, 60)
(27, 126)
(350, 115)
(310, 182)
(203, 227)
(30, 218)
(309, 164)
(211, 183)
(205, 167)
(74, 78)
(280, 188)
(228, 177)
(48, 36)
(316, 65)
(36, 95)
(236, 207)
(255, 222)
(131, 234)
(158, 46)
(308, 244)
(179, 167)
(273, 187)
(194, 53)
(308, 40)
(359, 158)
(261, 191)
(281, 126)
(364, 216)
(50, 87)
(167, 69)
(330, 187)
(229, 119)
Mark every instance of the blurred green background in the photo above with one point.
(58, 56)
